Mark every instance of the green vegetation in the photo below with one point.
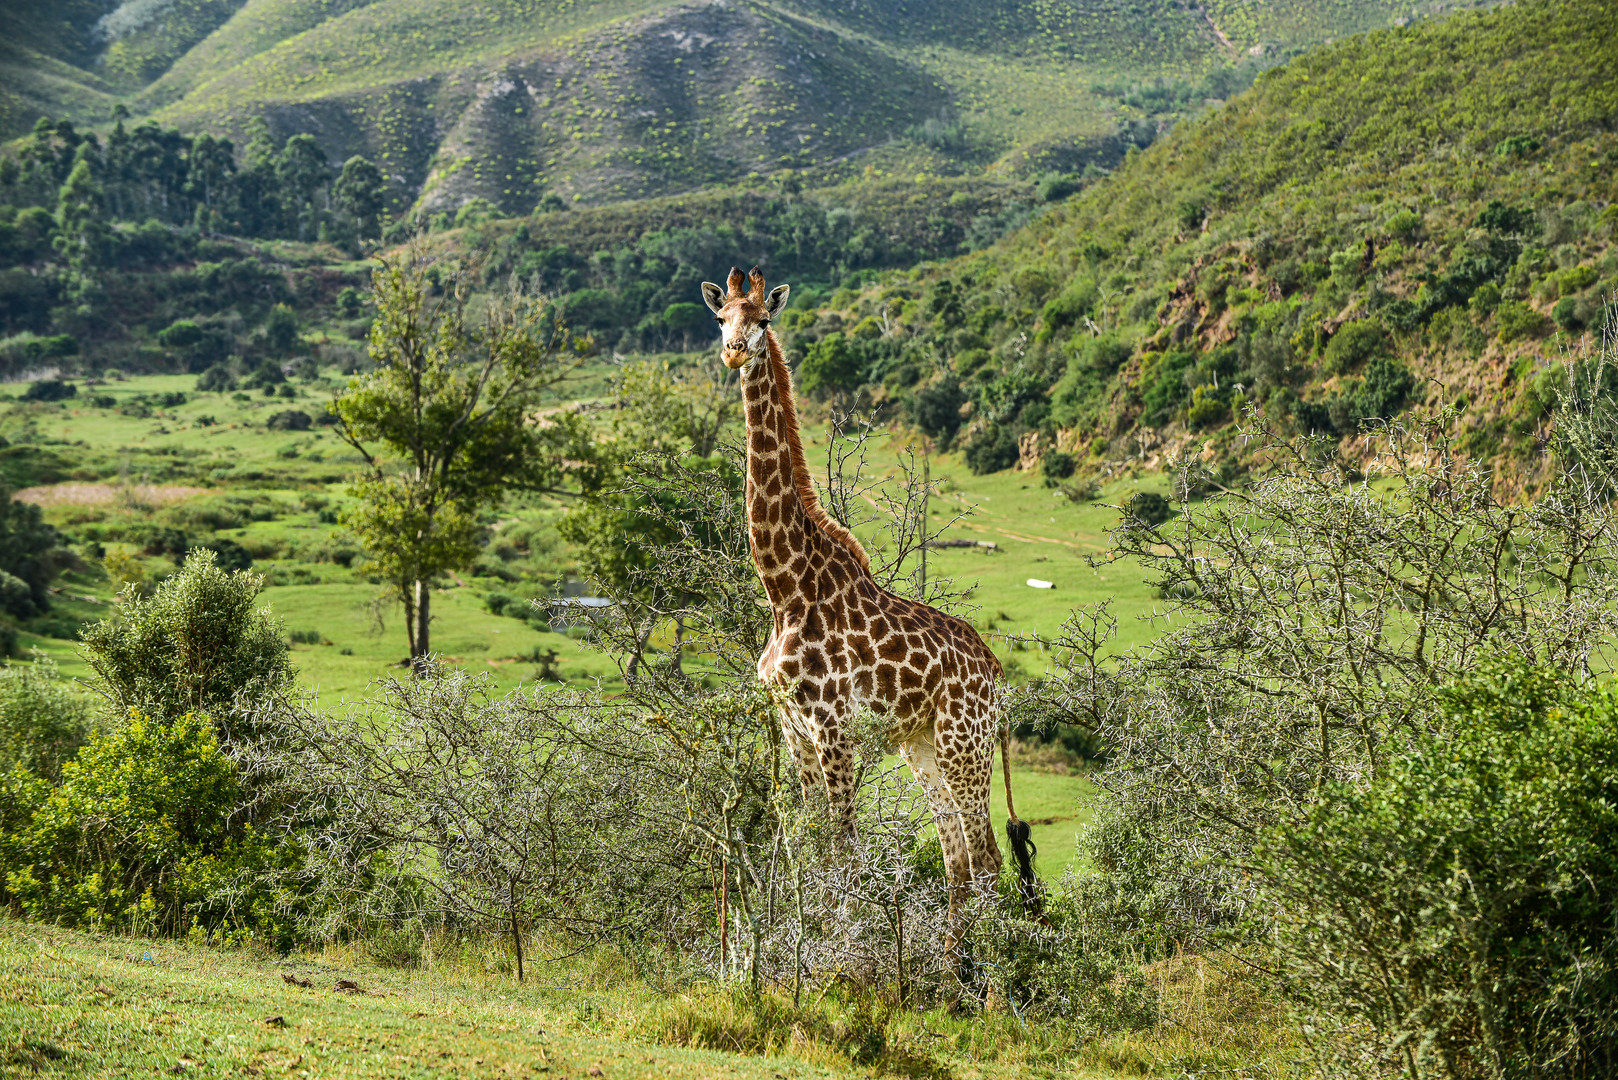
(443, 425)
(1287, 311)
(142, 827)
(1377, 224)
(1457, 905)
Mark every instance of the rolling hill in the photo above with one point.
(602, 100)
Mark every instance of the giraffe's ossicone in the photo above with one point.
(842, 644)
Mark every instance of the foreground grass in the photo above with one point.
(77, 1004)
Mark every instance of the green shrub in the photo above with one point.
(832, 365)
(1206, 409)
(196, 646)
(42, 722)
(1149, 507)
(31, 555)
(1566, 314)
(992, 449)
(1576, 279)
(1105, 354)
(281, 331)
(228, 554)
(1057, 466)
(1517, 320)
(937, 408)
(216, 379)
(143, 834)
(1455, 917)
(1354, 344)
(1385, 389)
(1071, 305)
(1486, 299)
(289, 420)
(1403, 224)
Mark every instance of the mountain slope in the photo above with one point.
(1404, 217)
(937, 86)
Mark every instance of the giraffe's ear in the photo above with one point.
(713, 296)
(777, 301)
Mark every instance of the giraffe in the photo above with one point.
(842, 643)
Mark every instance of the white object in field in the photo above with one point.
(1035, 583)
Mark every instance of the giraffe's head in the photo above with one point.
(743, 314)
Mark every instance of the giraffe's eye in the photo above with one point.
(764, 322)
(718, 319)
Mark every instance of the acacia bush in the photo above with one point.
(1454, 918)
(1310, 620)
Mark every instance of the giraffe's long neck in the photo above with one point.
(779, 523)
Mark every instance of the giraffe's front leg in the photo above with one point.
(837, 769)
(804, 754)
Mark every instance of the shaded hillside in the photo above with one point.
(1404, 217)
(47, 52)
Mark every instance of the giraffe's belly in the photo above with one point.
(840, 677)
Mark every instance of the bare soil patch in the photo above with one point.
(108, 494)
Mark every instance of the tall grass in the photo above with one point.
(1219, 1016)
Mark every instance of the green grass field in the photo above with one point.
(212, 461)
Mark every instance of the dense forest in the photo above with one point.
(153, 250)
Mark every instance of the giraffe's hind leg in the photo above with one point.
(965, 735)
(922, 756)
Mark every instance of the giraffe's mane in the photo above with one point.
(800, 471)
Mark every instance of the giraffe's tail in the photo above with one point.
(1022, 847)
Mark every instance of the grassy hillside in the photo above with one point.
(47, 57)
(1417, 215)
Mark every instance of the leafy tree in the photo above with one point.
(31, 555)
(302, 171)
(82, 234)
(196, 646)
(444, 423)
(937, 409)
(685, 319)
(281, 336)
(665, 414)
(832, 366)
(360, 194)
